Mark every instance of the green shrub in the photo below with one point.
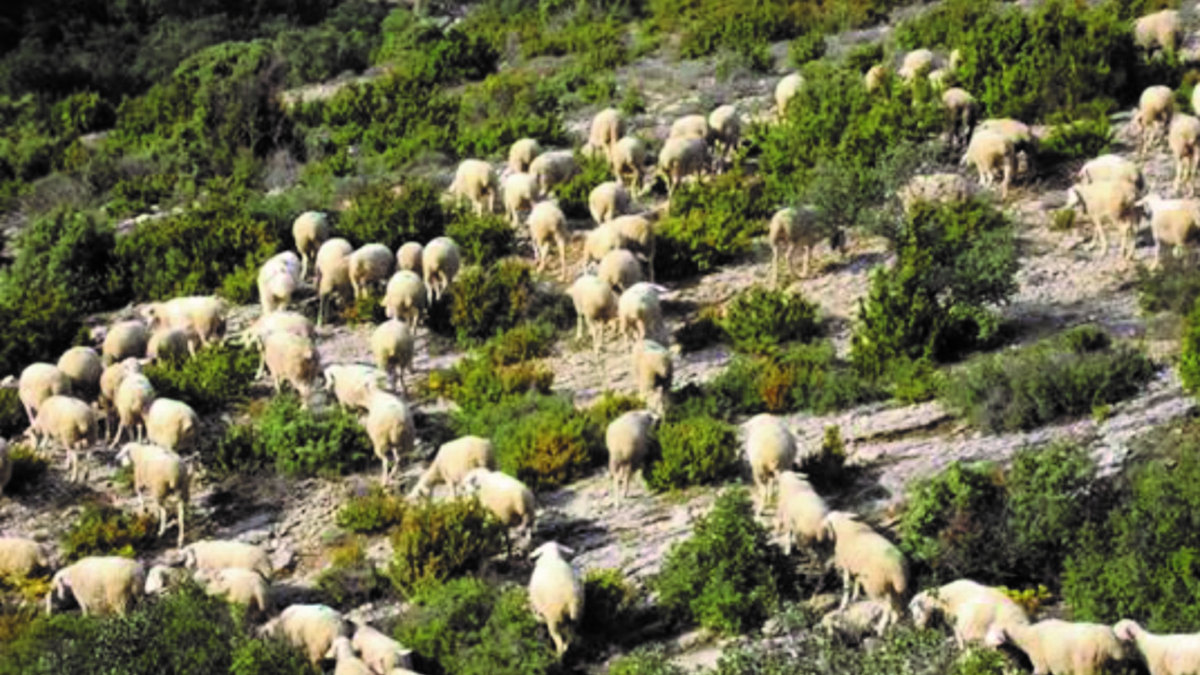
(507, 106)
(487, 301)
(1082, 139)
(448, 55)
(1189, 351)
(759, 320)
(28, 468)
(1172, 287)
(482, 240)
(367, 309)
(1059, 377)
(573, 194)
(373, 512)
(726, 577)
(475, 382)
(392, 216)
(807, 47)
(12, 414)
(440, 540)
(695, 451)
(826, 468)
(705, 331)
(609, 603)
(350, 579)
(644, 661)
(1063, 220)
(106, 530)
(709, 225)
(217, 376)
(525, 341)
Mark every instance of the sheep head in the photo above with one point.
(60, 585)
(996, 637)
(551, 548)
(1127, 630)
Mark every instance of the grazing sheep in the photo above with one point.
(393, 345)
(935, 188)
(133, 399)
(520, 192)
(939, 79)
(553, 167)
(790, 230)
(679, 158)
(294, 359)
(1177, 654)
(82, 367)
(639, 313)
(856, 621)
(390, 427)
(507, 498)
(161, 473)
(440, 262)
(1184, 140)
(352, 384)
(20, 557)
(38, 382)
(6, 466)
(609, 200)
(596, 304)
(124, 340)
(548, 225)
(522, 153)
(311, 628)
(1057, 647)
(653, 371)
(637, 234)
(868, 562)
(171, 424)
(405, 297)
(1173, 221)
(785, 91)
(239, 586)
(629, 156)
(1112, 201)
(309, 231)
(874, 77)
(916, 64)
(204, 314)
(276, 322)
(333, 273)
(69, 421)
(408, 257)
(475, 181)
(1111, 167)
(690, 126)
(1153, 114)
(161, 579)
(990, 152)
(800, 511)
(620, 269)
(556, 593)
(1020, 135)
(382, 653)
(968, 607)
(217, 554)
(278, 279)
(1160, 30)
(770, 449)
(599, 241)
(110, 382)
(627, 439)
(607, 127)
(961, 111)
(724, 129)
(346, 662)
(172, 344)
(370, 266)
(99, 584)
(452, 462)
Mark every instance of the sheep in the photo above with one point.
(520, 192)
(440, 262)
(392, 345)
(548, 225)
(277, 281)
(690, 126)
(277, 322)
(160, 472)
(770, 449)
(856, 621)
(521, 154)
(239, 586)
(939, 79)
(790, 230)
(1056, 647)
(599, 241)
(935, 188)
(82, 367)
(309, 231)
(476, 182)
(110, 383)
(408, 257)
(172, 344)
(390, 426)
(507, 498)
(725, 129)
(133, 399)
(916, 63)
(627, 439)
(620, 269)
(555, 592)
(653, 370)
(552, 168)
(1153, 114)
(171, 424)
(785, 91)
(679, 158)
(452, 462)
(204, 314)
(607, 127)
(1020, 135)
(961, 110)
(311, 628)
(1184, 140)
(405, 297)
(868, 562)
(1174, 221)
(99, 584)
(640, 314)
(1111, 201)
(217, 554)
(294, 359)
(124, 340)
(1160, 30)
(346, 661)
(874, 77)
(988, 152)
(6, 465)
(956, 59)
(71, 422)
(970, 608)
(609, 200)
(38, 382)
(800, 511)
(333, 273)
(370, 265)
(19, 557)
(595, 304)
(629, 156)
(161, 579)
(1177, 654)
(637, 234)
(1111, 167)
(352, 383)
(381, 653)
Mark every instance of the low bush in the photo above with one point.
(507, 106)
(436, 541)
(218, 376)
(28, 468)
(1059, 377)
(703, 332)
(393, 215)
(759, 320)
(350, 579)
(727, 576)
(1189, 351)
(1081, 139)
(482, 240)
(106, 530)
(375, 511)
(475, 382)
(709, 224)
(694, 451)
(808, 47)
(645, 661)
(487, 301)
(12, 414)
(525, 341)
(826, 468)
(609, 604)
(1173, 287)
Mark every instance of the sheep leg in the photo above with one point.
(120, 431)
(807, 261)
(162, 519)
(562, 257)
(384, 476)
(28, 412)
(560, 647)
(182, 508)
(846, 587)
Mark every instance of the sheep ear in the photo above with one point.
(566, 550)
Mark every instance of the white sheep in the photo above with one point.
(239, 586)
(1111, 167)
(609, 200)
(405, 297)
(520, 192)
(725, 129)
(99, 584)
(133, 399)
(770, 449)
(370, 266)
(868, 562)
(961, 110)
(110, 382)
(1183, 138)
(629, 157)
(408, 257)
(916, 63)
(856, 621)
(172, 344)
(475, 181)
(390, 426)
(595, 304)
(935, 188)
(968, 607)
(20, 557)
(690, 126)
(278, 279)
(161, 579)
(1175, 222)
(393, 346)
(311, 628)
(82, 367)
(521, 154)
(791, 230)
(556, 593)
(217, 554)
(452, 462)
(1057, 647)
(940, 79)
(620, 269)
(627, 439)
(639, 313)
(38, 382)
(309, 231)
(1113, 202)
(1177, 654)
(125, 339)
(607, 127)
(548, 225)
(653, 370)
(440, 262)
(204, 314)
(381, 653)
(1160, 30)
(785, 91)
(353, 383)
(1153, 114)
(990, 152)
(346, 661)
(598, 242)
(69, 421)
(161, 473)
(1025, 144)
(294, 359)
(333, 274)
(507, 498)
(277, 322)
(172, 424)
(874, 77)
(637, 234)
(799, 512)
(552, 168)
(681, 157)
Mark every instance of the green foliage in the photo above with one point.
(12, 414)
(1172, 287)
(528, 340)
(807, 47)
(448, 55)
(440, 540)
(573, 194)
(350, 579)
(608, 604)
(504, 108)
(1081, 139)
(217, 376)
(28, 467)
(475, 382)
(487, 301)
(826, 468)
(482, 240)
(373, 512)
(695, 451)
(709, 224)
(759, 321)
(1189, 350)
(1059, 377)
(106, 530)
(294, 441)
(644, 661)
(1063, 220)
(469, 627)
(382, 216)
(727, 577)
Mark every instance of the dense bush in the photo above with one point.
(609, 603)
(709, 224)
(482, 240)
(1081, 139)
(486, 301)
(476, 381)
(1173, 287)
(525, 341)
(373, 512)
(106, 530)
(695, 451)
(389, 215)
(507, 106)
(423, 47)
(12, 413)
(1071, 374)
(217, 376)
(439, 540)
(350, 579)
(759, 320)
(727, 577)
